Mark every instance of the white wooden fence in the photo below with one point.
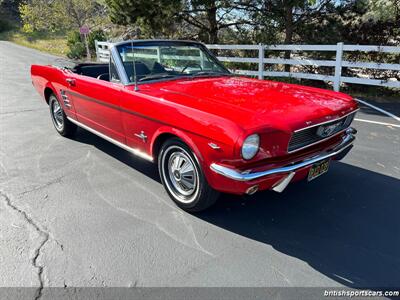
(102, 50)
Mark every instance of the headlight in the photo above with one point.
(250, 146)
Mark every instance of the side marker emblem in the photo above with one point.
(214, 146)
(141, 136)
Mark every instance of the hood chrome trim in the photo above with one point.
(329, 121)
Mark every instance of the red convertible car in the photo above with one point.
(174, 103)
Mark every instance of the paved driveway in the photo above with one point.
(83, 212)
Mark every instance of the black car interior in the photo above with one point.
(91, 70)
(101, 71)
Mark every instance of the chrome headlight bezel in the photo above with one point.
(250, 146)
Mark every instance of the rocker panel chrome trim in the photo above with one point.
(136, 152)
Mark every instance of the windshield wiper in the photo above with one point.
(157, 76)
(208, 73)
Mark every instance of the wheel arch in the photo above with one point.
(164, 134)
(48, 90)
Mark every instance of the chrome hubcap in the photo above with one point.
(180, 174)
(57, 113)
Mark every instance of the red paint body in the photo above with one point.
(221, 110)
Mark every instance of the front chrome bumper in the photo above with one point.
(347, 141)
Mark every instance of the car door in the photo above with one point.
(97, 104)
(138, 126)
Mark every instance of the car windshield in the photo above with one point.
(168, 60)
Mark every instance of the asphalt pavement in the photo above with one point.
(83, 212)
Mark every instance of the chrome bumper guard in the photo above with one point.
(347, 141)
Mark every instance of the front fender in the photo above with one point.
(185, 137)
(205, 154)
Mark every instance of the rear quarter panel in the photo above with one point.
(53, 78)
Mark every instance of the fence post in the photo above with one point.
(338, 67)
(261, 61)
(158, 54)
(96, 46)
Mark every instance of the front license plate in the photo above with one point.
(318, 169)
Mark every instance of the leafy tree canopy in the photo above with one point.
(59, 15)
(155, 16)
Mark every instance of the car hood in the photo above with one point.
(254, 103)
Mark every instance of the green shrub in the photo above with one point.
(76, 47)
(77, 51)
(5, 25)
(95, 35)
(73, 37)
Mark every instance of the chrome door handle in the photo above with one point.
(71, 81)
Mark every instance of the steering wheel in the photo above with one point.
(191, 64)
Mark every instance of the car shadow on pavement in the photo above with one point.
(147, 168)
(345, 224)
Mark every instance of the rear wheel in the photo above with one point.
(63, 126)
(183, 178)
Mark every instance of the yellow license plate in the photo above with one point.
(318, 169)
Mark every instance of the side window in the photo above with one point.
(114, 77)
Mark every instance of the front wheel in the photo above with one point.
(183, 178)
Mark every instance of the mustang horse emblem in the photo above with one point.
(324, 131)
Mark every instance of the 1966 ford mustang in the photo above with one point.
(174, 103)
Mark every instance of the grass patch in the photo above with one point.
(50, 43)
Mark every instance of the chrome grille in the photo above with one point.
(309, 136)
